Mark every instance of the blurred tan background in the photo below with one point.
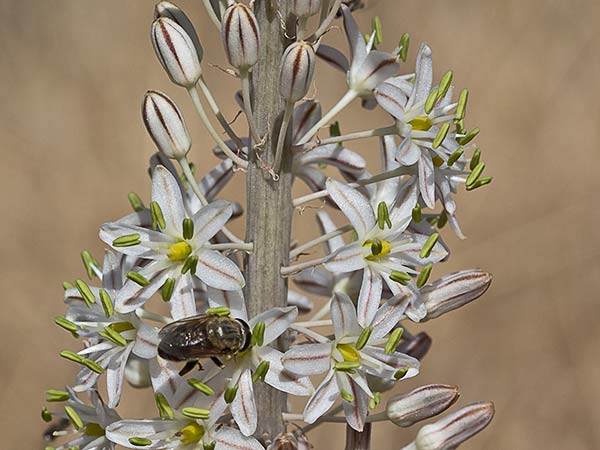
(73, 74)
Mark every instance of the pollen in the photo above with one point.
(421, 123)
(349, 352)
(192, 433)
(179, 251)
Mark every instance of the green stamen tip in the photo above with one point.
(188, 228)
(376, 27)
(139, 441)
(400, 277)
(468, 137)
(442, 219)
(166, 292)
(438, 161)
(138, 278)
(258, 334)
(68, 285)
(190, 265)
(210, 446)
(428, 246)
(445, 84)
(363, 338)
(401, 373)
(196, 413)
(417, 215)
(93, 366)
(158, 219)
(56, 395)
(107, 304)
(481, 182)
(462, 104)
(347, 366)
(136, 202)
(89, 263)
(376, 247)
(221, 311)
(164, 409)
(201, 387)
(424, 275)
(404, 44)
(49, 448)
(46, 415)
(460, 126)
(261, 371)
(129, 240)
(334, 129)
(475, 174)
(393, 341)
(230, 393)
(114, 336)
(65, 324)
(439, 138)
(455, 156)
(475, 159)
(85, 292)
(374, 402)
(432, 99)
(72, 356)
(383, 216)
(347, 396)
(74, 417)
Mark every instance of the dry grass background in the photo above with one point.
(73, 74)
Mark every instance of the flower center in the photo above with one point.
(179, 251)
(379, 248)
(191, 433)
(421, 123)
(348, 352)
(93, 429)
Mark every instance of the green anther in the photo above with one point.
(347, 396)
(49, 448)
(455, 156)
(428, 246)
(261, 371)
(93, 366)
(376, 27)
(376, 247)
(383, 216)
(200, 386)
(107, 304)
(475, 159)
(438, 161)
(417, 215)
(65, 324)
(334, 129)
(462, 104)
(404, 44)
(157, 216)
(93, 429)
(196, 413)
(468, 137)
(393, 341)
(445, 84)
(46, 415)
(258, 334)
(460, 126)
(424, 275)
(210, 446)
(121, 326)
(401, 373)
(190, 265)
(85, 292)
(353, 236)
(439, 138)
(374, 402)
(56, 395)
(68, 285)
(432, 99)
(363, 338)
(89, 263)
(138, 278)
(140, 441)
(74, 417)
(475, 174)
(230, 393)
(136, 202)
(221, 311)
(442, 219)
(346, 366)
(129, 240)
(114, 336)
(188, 228)
(322, 165)
(400, 277)
(164, 409)
(481, 182)
(166, 292)
(72, 356)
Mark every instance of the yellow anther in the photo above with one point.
(421, 123)
(349, 352)
(192, 433)
(93, 429)
(179, 251)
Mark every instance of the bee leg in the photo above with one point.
(189, 366)
(61, 425)
(217, 361)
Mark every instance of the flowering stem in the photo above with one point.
(324, 238)
(286, 271)
(355, 136)
(213, 133)
(245, 77)
(358, 440)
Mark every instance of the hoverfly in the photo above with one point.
(203, 336)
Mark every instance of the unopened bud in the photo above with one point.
(240, 36)
(422, 403)
(171, 11)
(305, 8)
(454, 429)
(297, 69)
(165, 124)
(176, 52)
(416, 346)
(453, 291)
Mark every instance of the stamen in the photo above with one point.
(221, 311)
(199, 386)
(230, 393)
(46, 415)
(439, 138)
(475, 159)
(404, 44)
(114, 336)
(56, 395)
(424, 275)
(158, 219)
(85, 292)
(400, 277)
(401, 373)
(74, 417)
(261, 371)
(129, 240)
(475, 174)
(428, 246)
(94, 430)
(138, 278)
(190, 265)
(349, 352)
(196, 413)
(106, 302)
(417, 216)
(258, 334)
(468, 137)
(188, 228)
(347, 396)
(166, 292)
(455, 156)
(383, 216)
(362, 340)
(164, 409)
(136, 202)
(393, 341)
(139, 441)
(374, 402)
(462, 105)
(192, 433)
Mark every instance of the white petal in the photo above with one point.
(112, 230)
(346, 259)
(114, 376)
(133, 296)
(303, 303)
(276, 320)
(234, 300)
(165, 377)
(375, 69)
(389, 314)
(408, 152)
(232, 439)
(182, 303)
(155, 430)
(396, 360)
(323, 399)
(343, 314)
(166, 192)
(283, 379)
(411, 255)
(146, 341)
(369, 297)
(308, 359)
(392, 99)
(333, 57)
(214, 181)
(243, 408)
(354, 205)
(306, 115)
(112, 271)
(211, 219)
(335, 155)
(427, 179)
(423, 76)
(218, 271)
(327, 226)
(358, 48)
(355, 411)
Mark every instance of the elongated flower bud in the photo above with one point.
(176, 52)
(165, 124)
(419, 404)
(453, 291)
(171, 11)
(305, 8)
(297, 69)
(240, 36)
(417, 346)
(454, 429)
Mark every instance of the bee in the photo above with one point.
(203, 336)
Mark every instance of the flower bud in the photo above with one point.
(305, 8)
(165, 124)
(297, 69)
(169, 10)
(240, 36)
(417, 346)
(422, 403)
(454, 429)
(176, 52)
(453, 291)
